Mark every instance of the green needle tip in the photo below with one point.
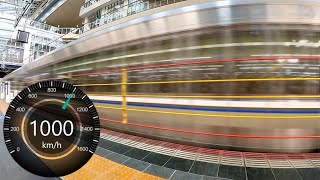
(67, 101)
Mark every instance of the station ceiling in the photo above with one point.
(64, 17)
(8, 13)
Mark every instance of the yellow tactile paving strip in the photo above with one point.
(103, 169)
(3, 107)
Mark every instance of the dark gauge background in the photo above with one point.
(61, 155)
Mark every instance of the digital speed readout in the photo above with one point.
(51, 129)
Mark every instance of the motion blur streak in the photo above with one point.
(204, 81)
(212, 134)
(216, 97)
(210, 115)
(198, 63)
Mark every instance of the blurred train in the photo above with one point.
(242, 76)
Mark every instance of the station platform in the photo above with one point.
(123, 156)
(9, 169)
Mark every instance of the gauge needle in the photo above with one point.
(67, 101)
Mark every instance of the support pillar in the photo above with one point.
(124, 96)
(2, 91)
(15, 93)
(86, 24)
(8, 92)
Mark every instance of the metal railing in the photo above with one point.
(51, 46)
(11, 51)
(42, 46)
(39, 47)
(12, 55)
(50, 28)
(109, 17)
(125, 11)
(88, 3)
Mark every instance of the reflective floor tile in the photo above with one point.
(179, 164)
(179, 175)
(158, 159)
(204, 168)
(119, 158)
(106, 144)
(259, 173)
(309, 173)
(285, 173)
(159, 171)
(120, 148)
(232, 172)
(102, 152)
(214, 178)
(137, 153)
(136, 164)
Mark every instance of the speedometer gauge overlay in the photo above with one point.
(51, 129)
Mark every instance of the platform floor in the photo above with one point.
(175, 161)
(9, 169)
(101, 168)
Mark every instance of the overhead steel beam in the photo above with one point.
(6, 2)
(25, 10)
(7, 30)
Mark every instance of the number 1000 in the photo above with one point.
(57, 128)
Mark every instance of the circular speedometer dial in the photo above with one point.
(51, 128)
